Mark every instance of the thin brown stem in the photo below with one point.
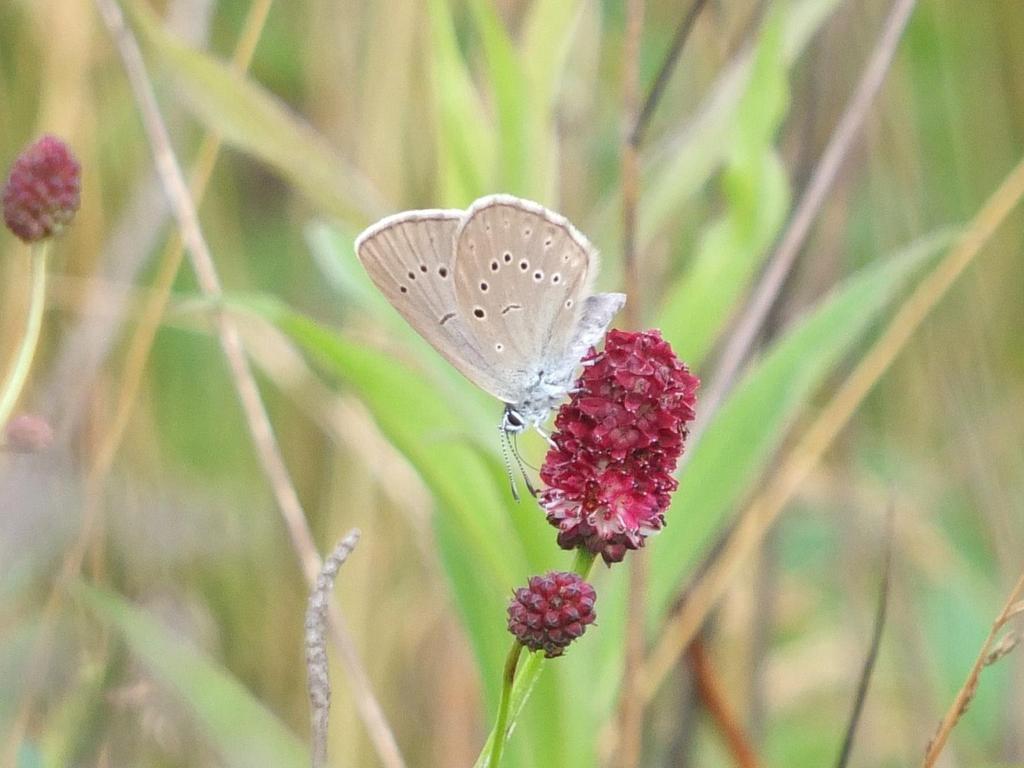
(630, 705)
(876, 641)
(741, 338)
(713, 699)
(970, 686)
(668, 65)
(257, 419)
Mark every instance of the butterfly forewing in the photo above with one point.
(409, 257)
(522, 273)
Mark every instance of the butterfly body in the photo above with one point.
(501, 290)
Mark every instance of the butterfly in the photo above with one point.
(502, 290)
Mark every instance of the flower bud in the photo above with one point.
(43, 191)
(551, 611)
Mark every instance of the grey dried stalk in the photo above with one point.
(316, 645)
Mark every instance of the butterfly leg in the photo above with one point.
(506, 444)
(547, 437)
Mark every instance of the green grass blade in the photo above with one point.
(513, 101)
(680, 165)
(480, 550)
(254, 121)
(239, 727)
(466, 140)
(751, 424)
(757, 195)
(549, 30)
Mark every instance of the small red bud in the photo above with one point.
(43, 191)
(28, 433)
(551, 611)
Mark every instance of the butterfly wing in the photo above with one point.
(409, 257)
(598, 311)
(522, 274)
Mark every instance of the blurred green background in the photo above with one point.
(191, 651)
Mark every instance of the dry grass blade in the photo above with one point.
(714, 701)
(761, 513)
(990, 653)
(267, 449)
(741, 338)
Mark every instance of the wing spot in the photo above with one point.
(507, 223)
(499, 347)
(446, 318)
(565, 256)
(538, 276)
(412, 275)
(479, 313)
(442, 271)
(507, 256)
(484, 286)
(403, 289)
(510, 307)
(494, 266)
(556, 278)
(423, 268)
(568, 303)
(524, 265)
(526, 233)
(548, 242)
(472, 247)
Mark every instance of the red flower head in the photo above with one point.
(616, 445)
(42, 192)
(551, 611)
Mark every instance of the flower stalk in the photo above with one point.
(519, 679)
(501, 723)
(15, 380)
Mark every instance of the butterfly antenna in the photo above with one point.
(505, 443)
(522, 464)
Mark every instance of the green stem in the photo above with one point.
(11, 388)
(517, 688)
(501, 724)
(584, 563)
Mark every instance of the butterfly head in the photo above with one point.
(512, 422)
